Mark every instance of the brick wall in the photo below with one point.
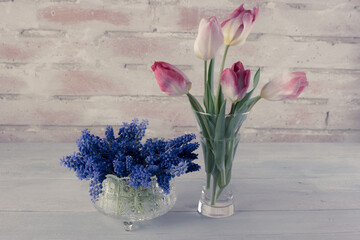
(66, 65)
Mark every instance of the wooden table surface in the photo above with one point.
(282, 191)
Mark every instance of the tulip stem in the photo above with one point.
(219, 96)
(223, 62)
(233, 108)
(252, 105)
(205, 74)
(222, 65)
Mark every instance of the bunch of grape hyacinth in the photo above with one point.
(126, 156)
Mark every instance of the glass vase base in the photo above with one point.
(215, 211)
(222, 208)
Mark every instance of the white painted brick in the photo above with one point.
(66, 65)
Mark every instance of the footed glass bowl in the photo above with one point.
(120, 200)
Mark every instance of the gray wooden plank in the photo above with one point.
(184, 225)
(281, 191)
(249, 194)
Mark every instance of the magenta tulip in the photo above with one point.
(171, 80)
(209, 38)
(286, 85)
(235, 82)
(238, 26)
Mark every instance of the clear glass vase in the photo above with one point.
(219, 137)
(120, 200)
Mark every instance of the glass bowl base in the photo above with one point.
(130, 204)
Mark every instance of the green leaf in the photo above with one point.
(204, 121)
(248, 105)
(252, 101)
(220, 100)
(211, 105)
(219, 146)
(195, 103)
(233, 122)
(208, 156)
(201, 118)
(209, 92)
(239, 104)
(256, 79)
(220, 123)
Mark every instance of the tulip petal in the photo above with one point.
(209, 38)
(235, 81)
(171, 80)
(228, 84)
(238, 26)
(284, 86)
(237, 11)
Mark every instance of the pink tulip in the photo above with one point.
(209, 38)
(170, 79)
(286, 85)
(238, 26)
(235, 82)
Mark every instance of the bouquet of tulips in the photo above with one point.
(220, 125)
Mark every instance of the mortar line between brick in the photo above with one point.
(181, 127)
(252, 36)
(16, 96)
(127, 65)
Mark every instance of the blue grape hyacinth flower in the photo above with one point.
(125, 155)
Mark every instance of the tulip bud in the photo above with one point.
(235, 82)
(171, 80)
(238, 26)
(286, 85)
(209, 38)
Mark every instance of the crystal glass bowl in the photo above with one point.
(120, 200)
